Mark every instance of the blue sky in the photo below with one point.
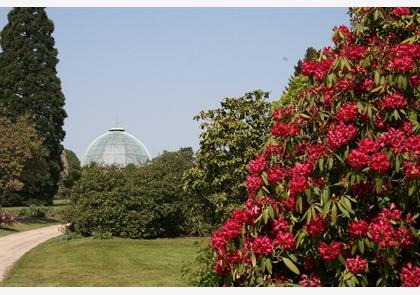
(155, 68)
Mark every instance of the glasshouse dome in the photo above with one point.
(116, 147)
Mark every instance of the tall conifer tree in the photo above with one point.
(29, 83)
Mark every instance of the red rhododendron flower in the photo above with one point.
(312, 281)
(284, 129)
(340, 134)
(391, 213)
(280, 224)
(342, 33)
(381, 232)
(415, 80)
(298, 184)
(356, 265)
(358, 159)
(368, 145)
(410, 276)
(332, 251)
(368, 84)
(272, 149)
(262, 245)
(403, 63)
(358, 228)
(256, 166)
(253, 183)
(379, 162)
(379, 122)
(347, 113)
(404, 237)
(317, 69)
(285, 240)
(344, 84)
(276, 174)
(395, 101)
(356, 52)
(412, 170)
(316, 226)
(395, 139)
(400, 11)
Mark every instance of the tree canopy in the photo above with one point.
(29, 84)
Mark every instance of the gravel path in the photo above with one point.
(13, 246)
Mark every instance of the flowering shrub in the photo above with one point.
(334, 197)
(6, 218)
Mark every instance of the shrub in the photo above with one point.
(6, 218)
(333, 198)
(137, 202)
(231, 135)
(34, 211)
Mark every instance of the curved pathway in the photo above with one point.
(13, 246)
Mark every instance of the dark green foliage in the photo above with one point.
(29, 84)
(134, 202)
(231, 135)
(71, 172)
(22, 161)
(35, 211)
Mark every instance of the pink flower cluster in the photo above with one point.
(332, 251)
(379, 162)
(383, 232)
(311, 281)
(356, 52)
(253, 183)
(356, 265)
(284, 129)
(410, 275)
(283, 237)
(367, 154)
(400, 11)
(317, 69)
(394, 101)
(316, 226)
(358, 228)
(402, 57)
(340, 134)
(6, 218)
(347, 113)
(257, 166)
(263, 245)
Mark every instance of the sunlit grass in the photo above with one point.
(117, 262)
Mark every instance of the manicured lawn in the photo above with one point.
(116, 262)
(27, 225)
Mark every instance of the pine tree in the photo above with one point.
(29, 84)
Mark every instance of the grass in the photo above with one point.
(25, 223)
(104, 263)
(28, 224)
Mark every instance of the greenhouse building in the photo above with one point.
(116, 147)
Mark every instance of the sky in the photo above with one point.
(150, 70)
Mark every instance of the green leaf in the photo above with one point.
(411, 188)
(326, 209)
(253, 259)
(361, 246)
(377, 77)
(269, 266)
(290, 265)
(333, 214)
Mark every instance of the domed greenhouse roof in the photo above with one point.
(116, 147)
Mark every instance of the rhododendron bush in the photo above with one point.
(6, 218)
(333, 198)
